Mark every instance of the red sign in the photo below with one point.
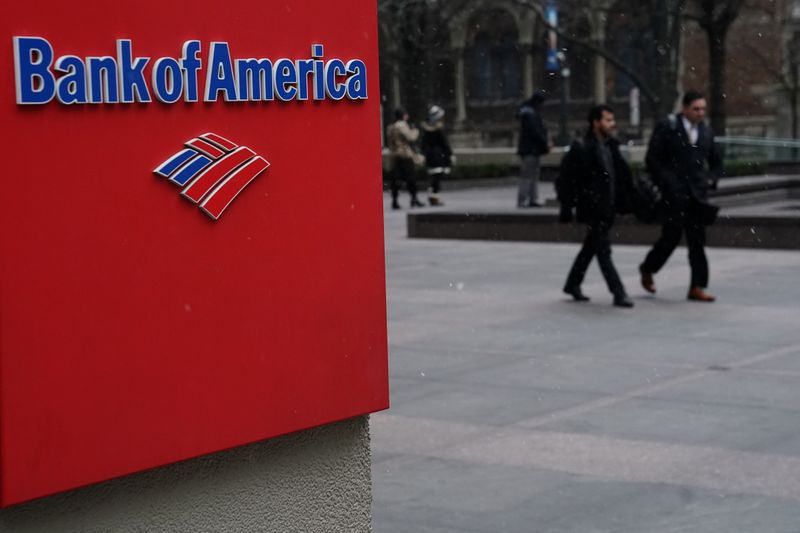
(191, 240)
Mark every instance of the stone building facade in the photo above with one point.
(480, 58)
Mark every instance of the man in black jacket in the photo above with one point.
(533, 143)
(683, 161)
(597, 181)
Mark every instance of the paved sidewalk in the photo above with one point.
(516, 410)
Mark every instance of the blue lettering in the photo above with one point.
(71, 87)
(304, 68)
(317, 51)
(220, 76)
(255, 79)
(102, 80)
(333, 71)
(167, 80)
(191, 63)
(32, 59)
(41, 76)
(357, 83)
(131, 74)
(285, 74)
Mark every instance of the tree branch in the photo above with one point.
(643, 86)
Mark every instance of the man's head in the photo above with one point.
(601, 121)
(400, 114)
(538, 98)
(694, 107)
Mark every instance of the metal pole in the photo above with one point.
(563, 132)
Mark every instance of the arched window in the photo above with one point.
(493, 57)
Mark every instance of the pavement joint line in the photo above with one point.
(610, 458)
(648, 390)
(517, 356)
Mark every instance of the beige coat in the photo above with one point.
(400, 136)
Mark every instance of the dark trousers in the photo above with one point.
(671, 233)
(597, 244)
(436, 176)
(403, 170)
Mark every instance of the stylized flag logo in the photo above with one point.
(212, 171)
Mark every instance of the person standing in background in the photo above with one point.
(400, 137)
(437, 152)
(533, 143)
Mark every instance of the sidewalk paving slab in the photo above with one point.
(517, 410)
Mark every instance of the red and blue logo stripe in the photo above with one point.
(212, 171)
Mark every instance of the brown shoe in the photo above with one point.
(647, 281)
(697, 294)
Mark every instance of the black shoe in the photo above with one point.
(576, 294)
(395, 205)
(416, 203)
(622, 300)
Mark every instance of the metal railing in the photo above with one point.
(760, 149)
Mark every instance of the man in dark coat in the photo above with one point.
(684, 162)
(597, 182)
(533, 143)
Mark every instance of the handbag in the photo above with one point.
(646, 200)
(704, 212)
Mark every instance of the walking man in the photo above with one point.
(597, 181)
(533, 143)
(683, 161)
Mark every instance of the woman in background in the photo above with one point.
(437, 152)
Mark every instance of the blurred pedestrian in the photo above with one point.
(401, 136)
(596, 181)
(677, 155)
(533, 143)
(437, 152)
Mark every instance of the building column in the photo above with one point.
(600, 80)
(397, 101)
(460, 87)
(527, 70)
(597, 21)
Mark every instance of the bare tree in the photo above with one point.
(418, 36)
(784, 71)
(715, 17)
(660, 20)
(416, 27)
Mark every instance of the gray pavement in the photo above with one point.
(516, 410)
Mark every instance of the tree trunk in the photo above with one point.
(666, 28)
(716, 78)
(794, 95)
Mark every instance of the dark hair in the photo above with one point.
(538, 98)
(596, 113)
(399, 113)
(691, 96)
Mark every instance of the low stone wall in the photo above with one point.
(315, 480)
(734, 232)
